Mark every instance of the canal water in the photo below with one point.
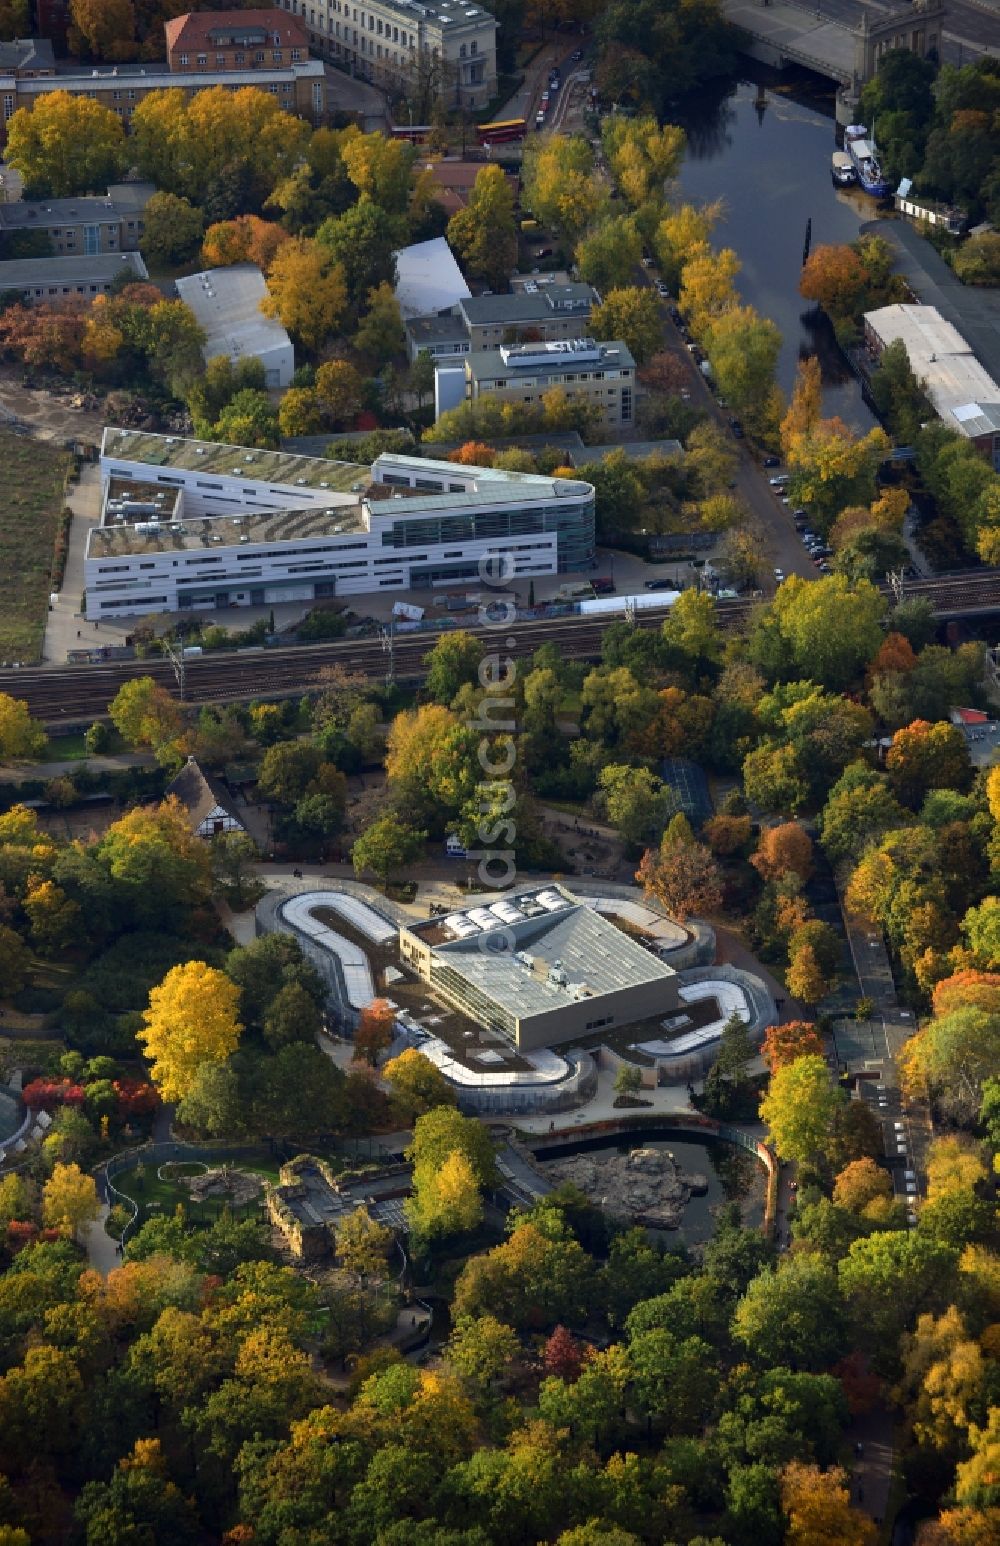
(733, 1175)
(764, 149)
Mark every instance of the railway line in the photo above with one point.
(72, 695)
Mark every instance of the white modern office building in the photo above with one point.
(226, 303)
(189, 524)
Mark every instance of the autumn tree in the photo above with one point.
(684, 876)
(484, 234)
(452, 1158)
(376, 1028)
(608, 255)
(643, 154)
(306, 292)
(560, 185)
(144, 713)
(742, 348)
(453, 662)
(339, 390)
(417, 1084)
(363, 1245)
(246, 239)
(192, 1020)
(65, 144)
(817, 1505)
(784, 1043)
(379, 335)
(69, 1199)
(927, 756)
(860, 1184)
(192, 145)
(835, 278)
(783, 850)
(160, 866)
(707, 288)
(827, 629)
(21, 737)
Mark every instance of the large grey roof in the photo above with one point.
(591, 951)
(973, 309)
(97, 268)
(554, 300)
(27, 54)
(38, 214)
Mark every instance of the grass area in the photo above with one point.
(73, 748)
(159, 1198)
(34, 494)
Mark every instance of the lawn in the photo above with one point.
(156, 1196)
(34, 494)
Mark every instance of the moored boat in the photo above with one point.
(865, 161)
(842, 169)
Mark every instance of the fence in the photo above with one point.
(159, 1154)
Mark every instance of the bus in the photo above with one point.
(416, 133)
(498, 133)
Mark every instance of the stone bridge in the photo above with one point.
(838, 40)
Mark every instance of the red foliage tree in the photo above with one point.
(784, 1043)
(375, 1030)
(562, 1355)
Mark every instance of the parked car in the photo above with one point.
(576, 54)
(660, 585)
(662, 290)
(543, 252)
(780, 480)
(675, 316)
(539, 120)
(779, 575)
(771, 461)
(798, 515)
(647, 262)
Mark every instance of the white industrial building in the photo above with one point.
(193, 524)
(428, 279)
(961, 391)
(226, 302)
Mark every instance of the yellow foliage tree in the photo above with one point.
(21, 737)
(306, 292)
(144, 713)
(806, 405)
(818, 1507)
(192, 1019)
(953, 1165)
(69, 1199)
(708, 288)
(560, 185)
(65, 145)
(447, 1201)
(943, 1372)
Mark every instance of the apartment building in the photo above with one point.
(479, 322)
(602, 374)
(448, 49)
(83, 226)
(235, 40)
(56, 279)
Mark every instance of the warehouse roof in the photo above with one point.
(226, 302)
(960, 388)
(428, 278)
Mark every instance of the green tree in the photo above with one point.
(293, 1015)
(633, 315)
(890, 1277)
(483, 234)
(172, 229)
(379, 334)
(454, 661)
(386, 846)
(636, 802)
(793, 1315)
(144, 713)
(362, 243)
(248, 419)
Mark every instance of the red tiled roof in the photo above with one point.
(197, 30)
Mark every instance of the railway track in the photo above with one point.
(78, 694)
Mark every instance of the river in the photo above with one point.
(768, 159)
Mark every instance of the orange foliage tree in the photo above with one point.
(968, 990)
(726, 834)
(247, 239)
(925, 756)
(784, 1043)
(895, 654)
(474, 453)
(784, 848)
(375, 1029)
(835, 278)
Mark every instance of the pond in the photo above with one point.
(733, 1175)
(763, 147)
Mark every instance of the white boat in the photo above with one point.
(842, 169)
